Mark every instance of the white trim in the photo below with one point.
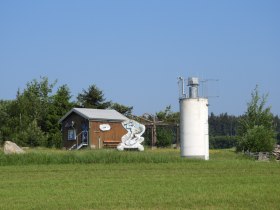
(71, 134)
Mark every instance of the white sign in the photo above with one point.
(105, 127)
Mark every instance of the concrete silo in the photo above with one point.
(194, 134)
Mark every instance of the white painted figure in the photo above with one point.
(133, 139)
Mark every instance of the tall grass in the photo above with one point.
(48, 156)
(86, 156)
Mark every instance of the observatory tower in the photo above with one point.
(194, 135)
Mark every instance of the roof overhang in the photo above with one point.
(80, 113)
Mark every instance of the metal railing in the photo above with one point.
(83, 140)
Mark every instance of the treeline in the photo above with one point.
(31, 119)
(223, 129)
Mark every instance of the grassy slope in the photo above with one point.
(225, 182)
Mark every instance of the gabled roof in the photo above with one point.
(96, 114)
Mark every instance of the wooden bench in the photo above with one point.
(110, 143)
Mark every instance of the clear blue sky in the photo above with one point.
(135, 50)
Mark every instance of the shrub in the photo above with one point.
(164, 137)
(55, 139)
(258, 139)
(148, 136)
(33, 136)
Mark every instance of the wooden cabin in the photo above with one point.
(93, 128)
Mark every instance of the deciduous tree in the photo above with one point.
(125, 110)
(256, 128)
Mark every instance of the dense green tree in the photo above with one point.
(5, 129)
(93, 98)
(258, 139)
(222, 131)
(33, 103)
(59, 106)
(222, 125)
(168, 116)
(256, 129)
(39, 110)
(222, 142)
(29, 113)
(125, 110)
(32, 136)
(277, 125)
(61, 100)
(165, 137)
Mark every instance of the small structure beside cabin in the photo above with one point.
(93, 128)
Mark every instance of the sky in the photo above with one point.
(134, 51)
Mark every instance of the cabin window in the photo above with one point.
(72, 134)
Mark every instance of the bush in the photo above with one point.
(258, 139)
(164, 137)
(55, 139)
(148, 137)
(33, 136)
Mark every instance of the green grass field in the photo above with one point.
(158, 179)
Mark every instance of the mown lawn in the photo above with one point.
(161, 181)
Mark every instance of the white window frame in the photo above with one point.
(71, 135)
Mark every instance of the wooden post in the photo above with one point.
(77, 141)
(177, 136)
(152, 139)
(154, 136)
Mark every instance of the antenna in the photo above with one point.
(192, 85)
(204, 88)
(181, 87)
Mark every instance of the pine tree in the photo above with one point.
(93, 98)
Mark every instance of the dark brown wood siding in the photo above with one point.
(78, 122)
(98, 136)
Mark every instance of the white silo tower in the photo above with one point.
(194, 135)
